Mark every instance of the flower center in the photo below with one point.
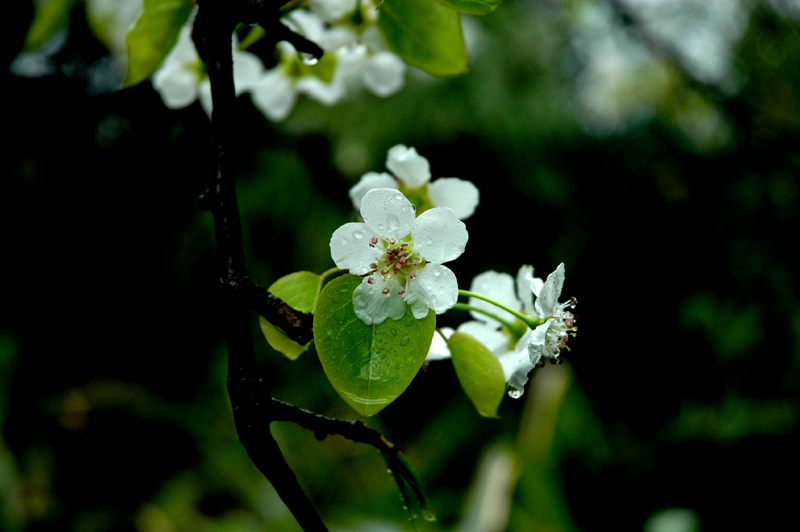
(399, 261)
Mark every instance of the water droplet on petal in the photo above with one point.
(308, 59)
(514, 393)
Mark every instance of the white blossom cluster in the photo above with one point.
(355, 58)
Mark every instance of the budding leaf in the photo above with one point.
(50, 16)
(299, 290)
(368, 365)
(479, 372)
(415, 501)
(153, 35)
(426, 34)
(473, 7)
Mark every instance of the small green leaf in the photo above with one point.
(473, 7)
(153, 36)
(49, 18)
(416, 503)
(299, 290)
(479, 372)
(426, 34)
(368, 365)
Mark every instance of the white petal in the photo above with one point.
(550, 292)
(336, 37)
(373, 306)
(367, 182)
(535, 284)
(534, 342)
(516, 367)
(332, 10)
(461, 196)
(409, 166)
(384, 74)
(439, 349)
(316, 89)
(439, 236)
(388, 212)
(525, 289)
(497, 286)
(177, 86)
(274, 95)
(494, 340)
(204, 95)
(434, 287)
(247, 71)
(306, 24)
(351, 250)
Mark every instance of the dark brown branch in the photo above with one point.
(297, 325)
(212, 35)
(323, 426)
(253, 407)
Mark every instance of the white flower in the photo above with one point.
(182, 78)
(278, 90)
(550, 338)
(517, 356)
(411, 173)
(350, 63)
(401, 256)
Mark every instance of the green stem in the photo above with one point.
(465, 306)
(530, 321)
(327, 273)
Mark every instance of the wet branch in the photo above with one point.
(253, 407)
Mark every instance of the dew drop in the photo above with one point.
(514, 393)
(393, 332)
(404, 341)
(308, 59)
(428, 241)
(358, 235)
(437, 273)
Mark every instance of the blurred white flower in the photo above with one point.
(182, 77)
(411, 173)
(352, 61)
(401, 256)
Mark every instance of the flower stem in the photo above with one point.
(465, 306)
(329, 273)
(530, 321)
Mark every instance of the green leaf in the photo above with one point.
(49, 18)
(479, 372)
(368, 365)
(426, 34)
(299, 290)
(153, 36)
(473, 7)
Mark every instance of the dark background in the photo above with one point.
(676, 215)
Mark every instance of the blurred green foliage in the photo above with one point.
(667, 185)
